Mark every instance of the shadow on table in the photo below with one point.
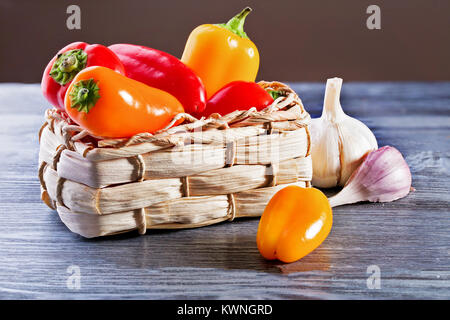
(230, 246)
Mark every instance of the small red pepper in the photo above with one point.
(238, 95)
(161, 70)
(70, 60)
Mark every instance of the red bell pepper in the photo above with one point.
(161, 70)
(70, 60)
(237, 95)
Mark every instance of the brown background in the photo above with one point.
(297, 40)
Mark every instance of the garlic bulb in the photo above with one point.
(338, 141)
(383, 176)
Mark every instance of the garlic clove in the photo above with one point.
(383, 176)
(356, 141)
(325, 154)
(338, 141)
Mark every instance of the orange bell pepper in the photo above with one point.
(295, 222)
(108, 104)
(222, 53)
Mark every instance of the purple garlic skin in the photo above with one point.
(383, 176)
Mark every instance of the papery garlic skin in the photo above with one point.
(338, 141)
(383, 176)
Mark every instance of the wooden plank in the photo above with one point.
(408, 239)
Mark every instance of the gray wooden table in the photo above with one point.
(408, 239)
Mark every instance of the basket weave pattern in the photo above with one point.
(202, 172)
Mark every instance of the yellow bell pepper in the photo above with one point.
(222, 53)
(295, 222)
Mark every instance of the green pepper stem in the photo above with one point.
(275, 94)
(67, 65)
(84, 95)
(236, 24)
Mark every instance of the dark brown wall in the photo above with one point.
(298, 40)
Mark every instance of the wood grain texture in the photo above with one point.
(408, 239)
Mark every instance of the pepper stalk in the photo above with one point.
(84, 95)
(67, 65)
(236, 24)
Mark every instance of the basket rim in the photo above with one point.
(287, 112)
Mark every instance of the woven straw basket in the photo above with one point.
(195, 174)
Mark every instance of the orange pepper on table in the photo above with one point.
(294, 223)
(222, 53)
(108, 104)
